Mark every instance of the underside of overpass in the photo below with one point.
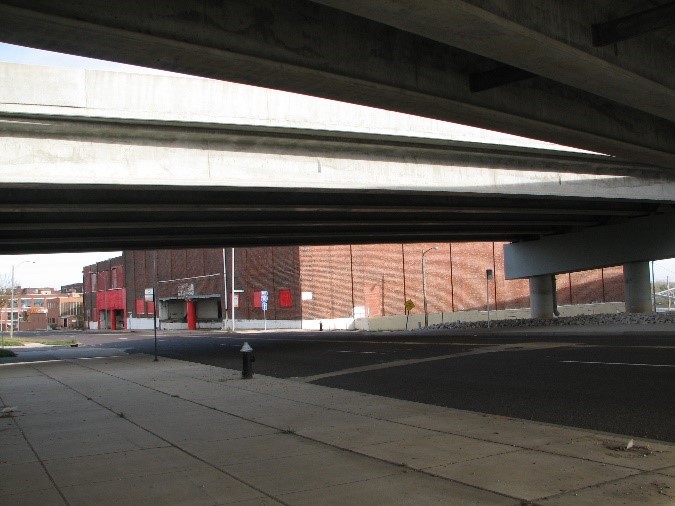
(598, 76)
(595, 75)
(110, 161)
(99, 218)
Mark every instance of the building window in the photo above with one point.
(285, 299)
(38, 302)
(113, 281)
(94, 284)
(25, 302)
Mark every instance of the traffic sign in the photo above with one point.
(264, 296)
(264, 306)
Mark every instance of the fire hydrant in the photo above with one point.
(248, 359)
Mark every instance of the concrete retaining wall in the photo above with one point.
(260, 324)
(330, 324)
(377, 323)
(417, 321)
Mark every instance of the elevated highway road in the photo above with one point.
(595, 75)
(109, 161)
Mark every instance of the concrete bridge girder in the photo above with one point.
(104, 155)
(631, 244)
(640, 239)
(119, 128)
(617, 100)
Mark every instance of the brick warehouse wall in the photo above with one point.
(271, 269)
(381, 278)
(326, 274)
(377, 278)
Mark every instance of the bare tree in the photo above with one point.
(5, 296)
(5, 290)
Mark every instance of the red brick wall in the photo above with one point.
(456, 280)
(102, 272)
(257, 269)
(270, 269)
(613, 283)
(379, 277)
(326, 272)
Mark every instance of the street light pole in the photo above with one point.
(232, 301)
(488, 276)
(424, 284)
(11, 303)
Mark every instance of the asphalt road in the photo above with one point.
(616, 383)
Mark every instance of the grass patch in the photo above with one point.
(21, 341)
(13, 342)
(6, 353)
(54, 342)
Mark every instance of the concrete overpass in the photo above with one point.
(596, 75)
(105, 160)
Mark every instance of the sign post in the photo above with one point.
(488, 276)
(150, 297)
(264, 297)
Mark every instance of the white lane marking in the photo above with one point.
(58, 360)
(615, 363)
(122, 338)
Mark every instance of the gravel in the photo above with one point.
(597, 319)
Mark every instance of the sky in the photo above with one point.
(55, 270)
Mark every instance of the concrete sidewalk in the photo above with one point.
(127, 430)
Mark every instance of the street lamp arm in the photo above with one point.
(428, 250)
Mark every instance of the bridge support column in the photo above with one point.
(541, 297)
(191, 314)
(637, 287)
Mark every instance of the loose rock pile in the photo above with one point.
(597, 319)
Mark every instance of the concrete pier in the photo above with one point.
(637, 287)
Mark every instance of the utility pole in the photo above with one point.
(232, 302)
(224, 309)
(488, 277)
(424, 285)
(670, 296)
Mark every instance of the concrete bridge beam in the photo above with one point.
(638, 240)
(397, 55)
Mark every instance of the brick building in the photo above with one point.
(104, 294)
(43, 308)
(316, 282)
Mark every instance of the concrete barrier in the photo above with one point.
(398, 322)
(380, 323)
(330, 324)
